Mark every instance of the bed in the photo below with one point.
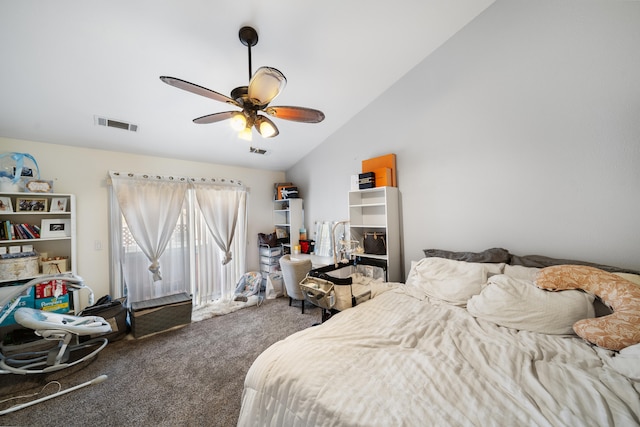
(465, 341)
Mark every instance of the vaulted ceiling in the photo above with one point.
(64, 63)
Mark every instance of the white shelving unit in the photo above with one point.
(288, 216)
(377, 210)
(287, 220)
(61, 244)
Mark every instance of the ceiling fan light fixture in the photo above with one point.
(265, 85)
(238, 122)
(246, 134)
(266, 127)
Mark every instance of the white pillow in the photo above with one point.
(411, 277)
(627, 362)
(521, 272)
(519, 304)
(448, 280)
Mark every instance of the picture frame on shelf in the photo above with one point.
(5, 204)
(58, 227)
(38, 186)
(24, 171)
(31, 204)
(58, 204)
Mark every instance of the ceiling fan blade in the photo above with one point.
(215, 117)
(198, 90)
(297, 114)
(265, 85)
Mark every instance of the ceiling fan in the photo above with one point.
(264, 86)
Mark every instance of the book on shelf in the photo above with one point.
(19, 232)
(11, 231)
(25, 231)
(35, 230)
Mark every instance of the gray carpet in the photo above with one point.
(192, 376)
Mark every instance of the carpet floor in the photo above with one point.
(191, 376)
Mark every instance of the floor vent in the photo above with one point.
(103, 121)
(257, 150)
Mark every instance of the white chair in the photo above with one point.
(293, 272)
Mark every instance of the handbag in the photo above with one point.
(270, 239)
(375, 243)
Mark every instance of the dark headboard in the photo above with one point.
(497, 255)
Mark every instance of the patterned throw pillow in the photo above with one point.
(615, 331)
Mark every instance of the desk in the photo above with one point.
(316, 261)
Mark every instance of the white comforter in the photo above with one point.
(399, 360)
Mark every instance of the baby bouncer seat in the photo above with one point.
(248, 285)
(63, 330)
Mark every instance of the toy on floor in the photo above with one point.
(248, 285)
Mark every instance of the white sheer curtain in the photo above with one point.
(220, 205)
(193, 259)
(220, 228)
(151, 206)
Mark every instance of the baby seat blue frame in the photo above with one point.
(63, 328)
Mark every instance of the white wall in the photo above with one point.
(522, 131)
(84, 172)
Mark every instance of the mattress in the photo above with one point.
(400, 359)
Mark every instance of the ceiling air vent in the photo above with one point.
(103, 121)
(257, 150)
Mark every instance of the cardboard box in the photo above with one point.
(383, 177)
(289, 193)
(355, 183)
(53, 288)
(279, 186)
(18, 268)
(386, 161)
(27, 300)
(366, 180)
(55, 266)
(54, 304)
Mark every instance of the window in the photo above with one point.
(192, 260)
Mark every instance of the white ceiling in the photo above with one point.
(64, 62)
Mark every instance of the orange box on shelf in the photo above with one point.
(386, 161)
(279, 187)
(383, 177)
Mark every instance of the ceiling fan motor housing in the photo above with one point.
(248, 36)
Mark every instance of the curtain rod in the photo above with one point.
(202, 180)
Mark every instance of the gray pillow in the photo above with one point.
(493, 255)
(540, 261)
